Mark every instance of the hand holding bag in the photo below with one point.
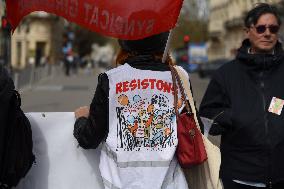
(190, 150)
(205, 175)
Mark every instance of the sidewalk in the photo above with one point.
(60, 93)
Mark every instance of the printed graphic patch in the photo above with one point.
(276, 106)
(145, 123)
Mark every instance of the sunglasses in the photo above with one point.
(260, 29)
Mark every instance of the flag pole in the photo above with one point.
(167, 47)
(164, 58)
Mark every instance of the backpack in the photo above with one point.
(16, 146)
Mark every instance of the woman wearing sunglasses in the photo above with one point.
(247, 94)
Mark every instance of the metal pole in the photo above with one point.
(167, 47)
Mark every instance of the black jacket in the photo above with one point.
(6, 87)
(252, 143)
(91, 131)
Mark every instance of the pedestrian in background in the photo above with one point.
(133, 115)
(245, 98)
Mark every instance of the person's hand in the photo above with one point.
(82, 112)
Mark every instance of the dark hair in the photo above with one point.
(153, 44)
(260, 9)
(123, 56)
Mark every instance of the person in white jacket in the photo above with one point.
(133, 116)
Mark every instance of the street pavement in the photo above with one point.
(60, 93)
(63, 94)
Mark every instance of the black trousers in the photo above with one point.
(229, 184)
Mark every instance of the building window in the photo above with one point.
(40, 51)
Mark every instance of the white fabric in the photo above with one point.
(140, 147)
(60, 163)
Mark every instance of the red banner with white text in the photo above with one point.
(124, 19)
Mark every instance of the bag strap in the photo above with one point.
(175, 91)
(186, 87)
(176, 79)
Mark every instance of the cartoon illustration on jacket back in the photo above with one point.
(145, 123)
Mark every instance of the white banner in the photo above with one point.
(60, 163)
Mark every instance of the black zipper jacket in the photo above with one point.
(252, 143)
(91, 131)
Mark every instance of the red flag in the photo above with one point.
(124, 19)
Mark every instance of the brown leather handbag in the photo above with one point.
(190, 150)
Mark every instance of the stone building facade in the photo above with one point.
(38, 38)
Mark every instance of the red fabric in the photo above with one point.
(124, 19)
(190, 150)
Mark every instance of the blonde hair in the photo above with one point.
(123, 55)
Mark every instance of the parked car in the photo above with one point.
(208, 68)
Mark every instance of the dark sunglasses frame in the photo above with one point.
(260, 29)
